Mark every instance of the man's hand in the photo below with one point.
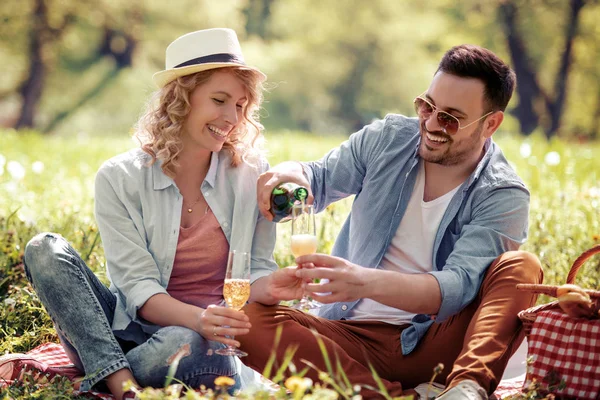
(285, 285)
(347, 281)
(416, 293)
(289, 171)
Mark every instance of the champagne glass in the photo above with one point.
(304, 240)
(236, 290)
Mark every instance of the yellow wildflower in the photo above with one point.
(224, 381)
(296, 383)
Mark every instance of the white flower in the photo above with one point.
(525, 150)
(37, 167)
(16, 170)
(552, 158)
(10, 302)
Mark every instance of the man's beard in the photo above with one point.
(454, 153)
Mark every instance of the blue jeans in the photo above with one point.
(82, 310)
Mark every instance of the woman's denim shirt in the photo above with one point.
(486, 217)
(138, 211)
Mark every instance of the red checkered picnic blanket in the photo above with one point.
(568, 349)
(53, 354)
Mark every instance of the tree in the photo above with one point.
(529, 88)
(41, 35)
(48, 23)
(339, 65)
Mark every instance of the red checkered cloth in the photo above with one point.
(53, 355)
(509, 387)
(568, 349)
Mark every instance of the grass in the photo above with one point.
(46, 184)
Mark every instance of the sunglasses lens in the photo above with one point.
(422, 107)
(448, 122)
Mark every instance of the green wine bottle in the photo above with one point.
(283, 198)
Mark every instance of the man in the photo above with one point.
(425, 267)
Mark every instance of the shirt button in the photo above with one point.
(344, 307)
(225, 224)
(206, 194)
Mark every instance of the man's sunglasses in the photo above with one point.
(448, 122)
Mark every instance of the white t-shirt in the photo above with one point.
(411, 249)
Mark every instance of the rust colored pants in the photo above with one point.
(474, 344)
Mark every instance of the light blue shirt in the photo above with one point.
(487, 216)
(138, 211)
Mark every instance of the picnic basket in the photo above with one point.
(564, 351)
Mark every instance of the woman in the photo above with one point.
(168, 213)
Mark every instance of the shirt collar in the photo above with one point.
(211, 175)
(161, 181)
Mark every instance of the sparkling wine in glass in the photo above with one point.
(236, 290)
(304, 240)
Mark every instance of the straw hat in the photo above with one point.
(201, 51)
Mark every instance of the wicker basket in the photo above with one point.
(528, 316)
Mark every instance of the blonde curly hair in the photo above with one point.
(160, 127)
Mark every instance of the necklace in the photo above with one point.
(191, 206)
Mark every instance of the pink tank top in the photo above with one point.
(200, 263)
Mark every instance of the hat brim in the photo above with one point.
(163, 77)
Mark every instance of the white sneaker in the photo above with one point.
(465, 390)
(427, 391)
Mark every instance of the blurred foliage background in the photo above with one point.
(85, 66)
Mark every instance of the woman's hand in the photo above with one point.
(284, 284)
(217, 322)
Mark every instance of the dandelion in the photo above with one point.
(37, 167)
(16, 170)
(552, 158)
(525, 150)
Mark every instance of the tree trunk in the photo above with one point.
(119, 45)
(528, 88)
(557, 106)
(31, 89)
